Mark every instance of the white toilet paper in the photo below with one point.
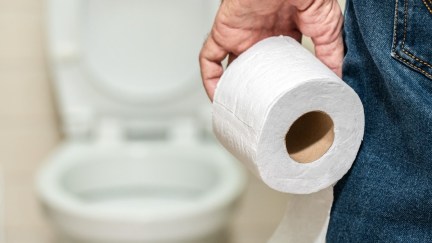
(263, 92)
(277, 107)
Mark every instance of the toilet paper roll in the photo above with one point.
(288, 117)
(295, 124)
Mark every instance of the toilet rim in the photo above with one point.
(222, 194)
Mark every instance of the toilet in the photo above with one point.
(138, 162)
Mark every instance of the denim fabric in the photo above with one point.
(387, 195)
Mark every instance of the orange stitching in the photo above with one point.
(405, 23)
(404, 38)
(395, 23)
(427, 6)
(415, 67)
(417, 59)
(395, 26)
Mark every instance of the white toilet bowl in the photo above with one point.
(137, 163)
(140, 193)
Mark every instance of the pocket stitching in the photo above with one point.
(404, 38)
(427, 74)
(416, 58)
(395, 27)
(405, 23)
(427, 6)
(412, 66)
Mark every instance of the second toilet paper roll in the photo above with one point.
(295, 124)
(288, 117)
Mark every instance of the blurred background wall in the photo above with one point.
(29, 130)
(28, 123)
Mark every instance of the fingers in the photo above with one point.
(331, 54)
(329, 47)
(323, 22)
(211, 56)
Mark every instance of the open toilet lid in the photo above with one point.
(127, 57)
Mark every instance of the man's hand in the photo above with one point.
(241, 23)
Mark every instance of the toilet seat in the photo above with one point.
(107, 64)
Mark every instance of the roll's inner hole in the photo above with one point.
(310, 137)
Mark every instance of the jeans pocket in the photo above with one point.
(412, 35)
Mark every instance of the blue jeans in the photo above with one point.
(387, 195)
